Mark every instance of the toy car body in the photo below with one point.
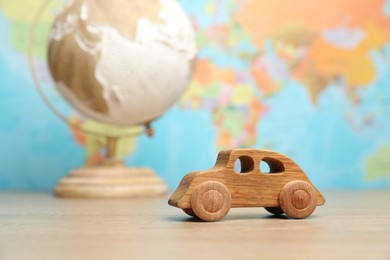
(210, 194)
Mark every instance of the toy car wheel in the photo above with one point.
(211, 201)
(274, 210)
(189, 212)
(298, 199)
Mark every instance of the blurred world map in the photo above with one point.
(306, 78)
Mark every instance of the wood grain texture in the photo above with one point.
(353, 225)
(251, 187)
(111, 181)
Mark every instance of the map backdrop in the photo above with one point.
(310, 79)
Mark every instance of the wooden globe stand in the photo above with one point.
(111, 179)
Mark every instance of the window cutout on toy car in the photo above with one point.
(264, 167)
(271, 165)
(244, 164)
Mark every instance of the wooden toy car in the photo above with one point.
(210, 194)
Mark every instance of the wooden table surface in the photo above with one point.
(351, 225)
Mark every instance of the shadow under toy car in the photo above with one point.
(210, 194)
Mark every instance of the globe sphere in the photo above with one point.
(122, 62)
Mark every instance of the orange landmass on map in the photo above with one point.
(78, 136)
(296, 24)
(354, 64)
(264, 82)
(262, 17)
(257, 110)
(206, 73)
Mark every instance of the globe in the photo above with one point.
(119, 63)
(122, 62)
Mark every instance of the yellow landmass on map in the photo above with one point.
(243, 94)
(22, 10)
(21, 13)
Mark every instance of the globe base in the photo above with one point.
(108, 181)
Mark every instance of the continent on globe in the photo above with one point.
(122, 62)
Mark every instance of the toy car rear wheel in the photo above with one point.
(274, 210)
(298, 199)
(211, 201)
(189, 212)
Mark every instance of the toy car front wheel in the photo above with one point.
(211, 201)
(298, 199)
